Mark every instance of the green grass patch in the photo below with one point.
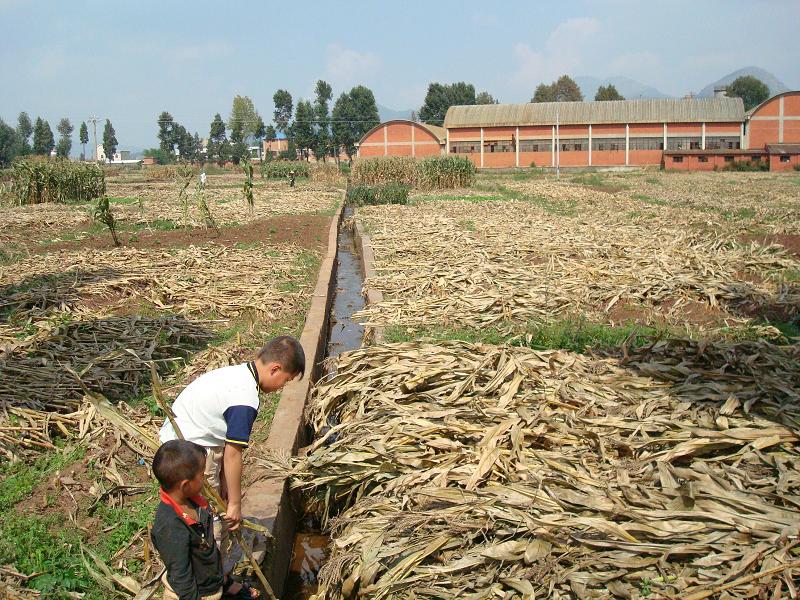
(649, 200)
(563, 208)
(122, 200)
(653, 181)
(467, 224)
(568, 334)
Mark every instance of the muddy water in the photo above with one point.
(345, 334)
(310, 545)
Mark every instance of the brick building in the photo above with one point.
(696, 133)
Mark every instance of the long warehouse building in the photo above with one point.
(696, 133)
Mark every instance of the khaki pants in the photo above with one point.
(212, 473)
(169, 593)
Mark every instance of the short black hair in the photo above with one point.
(286, 351)
(176, 461)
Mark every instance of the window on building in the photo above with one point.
(498, 146)
(611, 144)
(785, 158)
(683, 143)
(728, 159)
(702, 159)
(574, 144)
(645, 143)
(677, 159)
(535, 145)
(721, 143)
(464, 147)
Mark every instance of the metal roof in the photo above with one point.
(783, 148)
(661, 110)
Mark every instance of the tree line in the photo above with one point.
(310, 127)
(35, 138)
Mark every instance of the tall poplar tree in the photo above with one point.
(109, 140)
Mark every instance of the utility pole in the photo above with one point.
(93, 120)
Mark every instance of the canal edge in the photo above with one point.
(372, 334)
(267, 501)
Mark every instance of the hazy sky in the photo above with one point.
(130, 60)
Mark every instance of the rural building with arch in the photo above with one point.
(689, 133)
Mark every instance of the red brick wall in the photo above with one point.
(645, 129)
(607, 158)
(761, 132)
(775, 163)
(398, 141)
(645, 157)
(542, 159)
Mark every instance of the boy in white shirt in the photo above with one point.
(217, 410)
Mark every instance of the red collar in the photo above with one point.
(167, 499)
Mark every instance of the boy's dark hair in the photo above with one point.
(286, 351)
(176, 461)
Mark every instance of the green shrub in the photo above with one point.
(43, 180)
(279, 169)
(391, 193)
(747, 165)
(797, 167)
(433, 172)
(344, 168)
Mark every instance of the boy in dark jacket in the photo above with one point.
(183, 531)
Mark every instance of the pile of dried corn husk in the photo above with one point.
(161, 202)
(209, 280)
(477, 471)
(110, 356)
(465, 264)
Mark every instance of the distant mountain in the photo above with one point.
(629, 88)
(775, 85)
(388, 114)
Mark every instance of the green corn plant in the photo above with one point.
(183, 179)
(102, 214)
(247, 189)
(37, 180)
(205, 211)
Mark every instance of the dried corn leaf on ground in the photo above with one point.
(477, 471)
(477, 264)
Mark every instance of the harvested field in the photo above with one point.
(478, 471)
(78, 316)
(477, 264)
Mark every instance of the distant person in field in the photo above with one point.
(217, 411)
(202, 180)
(292, 176)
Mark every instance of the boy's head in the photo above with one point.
(280, 360)
(179, 465)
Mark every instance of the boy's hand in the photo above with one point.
(233, 516)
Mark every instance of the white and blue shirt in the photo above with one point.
(217, 408)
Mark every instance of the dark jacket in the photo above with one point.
(188, 549)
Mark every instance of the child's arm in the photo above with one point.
(174, 547)
(232, 468)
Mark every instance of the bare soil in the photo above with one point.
(789, 241)
(306, 231)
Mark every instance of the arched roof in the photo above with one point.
(437, 132)
(753, 110)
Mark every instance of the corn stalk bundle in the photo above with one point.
(471, 264)
(477, 471)
(109, 355)
(37, 181)
(279, 169)
(380, 171)
(442, 172)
